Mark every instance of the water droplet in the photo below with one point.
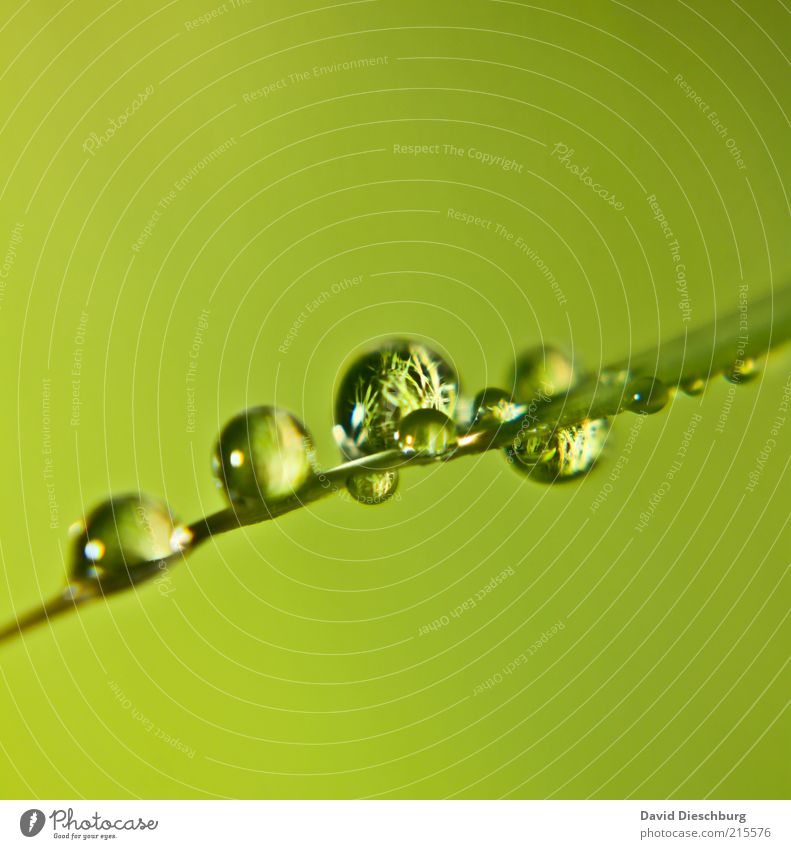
(561, 455)
(426, 431)
(693, 386)
(646, 395)
(264, 453)
(181, 538)
(119, 543)
(743, 371)
(542, 371)
(495, 406)
(373, 487)
(382, 387)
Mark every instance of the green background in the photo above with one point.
(287, 659)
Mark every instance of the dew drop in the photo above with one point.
(264, 453)
(646, 395)
(384, 386)
(561, 455)
(426, 431)
(495, 406)
(119, 543)
(373, 487)
(693, 386)
(542, 371)
(743, 371)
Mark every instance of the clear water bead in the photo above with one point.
(743, 371)
(121, 542)
(542, 371)
(494, 406)
(262, 454)
(373, 487)
(646, 395)
(427, 432)
(560, 455)
(384, 386)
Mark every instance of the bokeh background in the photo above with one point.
(166, 270)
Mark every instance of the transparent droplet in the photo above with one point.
(426, 431)
(646, 395)
(121, 542)
(743, 371)
(560, 455)
(372, 487)
(542, 371)
(264, 453)
(384, 386)
(693, 386)
(494, 406)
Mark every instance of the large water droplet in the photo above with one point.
(560, 455)
(120, 542)
(428, 432)
(646, 395)
(373, 487)
(384, 386)
(264, 453)
(542, 371)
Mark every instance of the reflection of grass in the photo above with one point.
(729, 347)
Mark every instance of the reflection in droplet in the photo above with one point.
(373, 487)
(560, 455)
(542, 371)
(426, 431)
(382, 387)
(646, 395)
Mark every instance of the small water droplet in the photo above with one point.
(542, 371)
(560, 455)
(264, 453)
(494, 406)
(382, 387)
(373, 487)
(646, 395)
(693, 386)
(121, 541)
(426, 431)
(743, 371)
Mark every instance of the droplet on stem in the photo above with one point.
(428, 432)
(262, 454)
(372, 487)
(646, 395)
(383, 387)
(542, 371)
(560, 455)
(121, 542)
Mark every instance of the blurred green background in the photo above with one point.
(153, 269)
